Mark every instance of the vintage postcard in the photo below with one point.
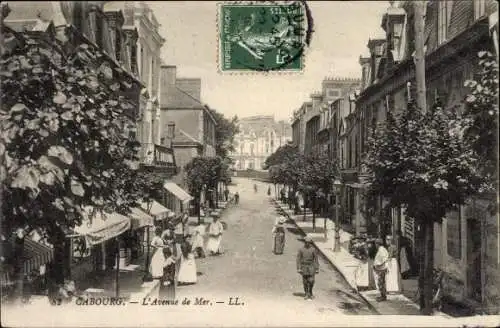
(249, 164)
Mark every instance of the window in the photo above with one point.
(141, 72)
(334, 93)
(479, 8)
(454, 234)
(444, 19)
(133, 57)
(118, 45)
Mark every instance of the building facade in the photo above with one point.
(101, 26)
(259, 137)
(314, 122)
(141, 26)
(186, 118)
(466, 242)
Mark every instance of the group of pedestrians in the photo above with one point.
(174, 255)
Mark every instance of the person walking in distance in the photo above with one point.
(226, 194)
(236, 198)
(380, 266)
(307, 266)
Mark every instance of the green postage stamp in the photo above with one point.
(263, 36)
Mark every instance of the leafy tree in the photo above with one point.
(225, 132)
(150, 185)
(285, 153)
(317, 175)
(62, 141)
(482, 107)
(203, 173)
(423, 163)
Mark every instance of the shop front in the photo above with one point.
(34, 258)
(176, 198)
(95, 246)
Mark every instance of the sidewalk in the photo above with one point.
(348, 265)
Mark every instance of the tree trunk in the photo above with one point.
(428, 267)
(60, 261)
(198, 208)
(419, 251)
(313, 207)
(18, 292)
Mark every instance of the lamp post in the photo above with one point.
(337, 184)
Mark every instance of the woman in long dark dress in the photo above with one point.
(167, 287)
(279, 238)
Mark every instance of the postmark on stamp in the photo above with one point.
(263, 36)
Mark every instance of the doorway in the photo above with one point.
(474, 289)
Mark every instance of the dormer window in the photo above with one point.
(479, 8)
(444, 8)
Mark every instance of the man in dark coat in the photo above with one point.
(307, 266)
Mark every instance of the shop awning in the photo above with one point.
(177, 191)
(35, 255)
(102, 226)
(155, 209)
(140, 218)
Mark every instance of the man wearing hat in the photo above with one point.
(307, 266)
(380, 266)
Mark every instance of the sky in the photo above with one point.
(341, 33)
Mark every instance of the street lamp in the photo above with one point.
(337, 184)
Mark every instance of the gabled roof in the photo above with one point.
(178, 98)
(185, 138)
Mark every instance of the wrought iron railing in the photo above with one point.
(156, 155)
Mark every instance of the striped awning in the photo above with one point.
(177, 191)
(155, 209)
(102, 226)
(35, 255)
(140, 218)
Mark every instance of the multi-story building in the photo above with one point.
(455, 31)
(191, 123)
(141, 34)
(258, 138)
(312, 122)
(99, 26)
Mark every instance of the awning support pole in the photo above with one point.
(117, 275)
(146, 264)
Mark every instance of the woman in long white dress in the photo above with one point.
(158, 259)
(187, 270)
(198, 240)
(392, 278)
(215, 237)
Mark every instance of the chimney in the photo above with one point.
(171, 130)
(168, 74)
(316, 101)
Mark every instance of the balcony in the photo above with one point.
(155, 157)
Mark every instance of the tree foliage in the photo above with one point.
(482, 107)
(318, 171)
(423, 162)
(62, 140)
(283, 154)
(225, 132)
(204, 172)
